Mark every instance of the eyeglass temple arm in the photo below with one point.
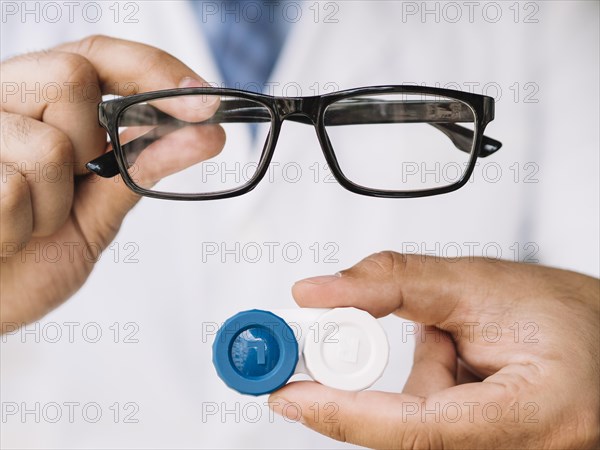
(441, 115)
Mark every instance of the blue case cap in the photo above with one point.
(255, 352)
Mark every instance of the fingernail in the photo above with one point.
(197, 101)
(290, 410)
(323, 279)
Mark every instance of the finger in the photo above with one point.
(452, 418)
(60, 89)
(190, 108)
(42, 156)
(104, 202)
(434, 365)
(16, 218)
(126, 68)
(367, 418)
(428, 290)
(170, 153)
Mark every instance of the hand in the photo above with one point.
(507, 356)
(54, 216)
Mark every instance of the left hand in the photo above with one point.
(528, 380)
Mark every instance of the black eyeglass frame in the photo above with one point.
(284, 108)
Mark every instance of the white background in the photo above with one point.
(173, 288)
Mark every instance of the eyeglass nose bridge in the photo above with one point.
(297, 106)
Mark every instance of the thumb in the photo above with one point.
(104, 202)
(367, 418)
(389, 420)
(426, 289)
(100, 205)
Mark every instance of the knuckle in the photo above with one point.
(419, 440)
(155, 60)
(14, 209)
(14, 189)
(336, 430)
(74, 68)
(89, 44)
(55, 147)
(385, 263)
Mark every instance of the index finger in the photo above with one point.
(426, 289)
(128, 68)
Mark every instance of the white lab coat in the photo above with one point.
(176, 289)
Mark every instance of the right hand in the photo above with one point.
(48, 200)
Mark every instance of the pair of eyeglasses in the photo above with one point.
(211, 143)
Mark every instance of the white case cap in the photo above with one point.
(350, 350)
